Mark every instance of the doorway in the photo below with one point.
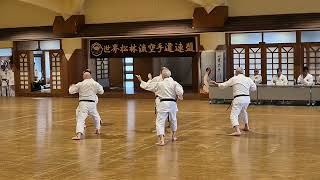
(42, 72)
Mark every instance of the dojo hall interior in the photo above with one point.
(46, 45)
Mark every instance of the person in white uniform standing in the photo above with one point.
(305, 79)
(242, 86)
(279, 79)
(88, 99)
(168, 91)
(156, 79)
(4, 81)
(256, 78)
(206, 80)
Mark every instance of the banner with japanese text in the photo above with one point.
(155, 47)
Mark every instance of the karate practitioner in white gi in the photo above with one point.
(241, 86)
(157, 100)
(168, 91)
(279, 79)
(256, 78)
(206, 80)
(305, 79)
(88, 99)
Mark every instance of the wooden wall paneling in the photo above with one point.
(68, 28)
(31, 68)
(215, 19)
(195, 73)
(85, 48)
(142, 66)
(75, 67)
(116, 72)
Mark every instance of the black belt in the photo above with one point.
(168, 100)
(240, 95)
(87, 100)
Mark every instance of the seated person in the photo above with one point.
(305, 79)
(257, 78)
(279, 79)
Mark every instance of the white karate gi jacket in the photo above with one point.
(306, 81)
(241, 85)
(165, 89)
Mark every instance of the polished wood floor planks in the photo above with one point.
(35, 136)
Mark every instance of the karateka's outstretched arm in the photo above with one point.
(74, 88)
(149, 86)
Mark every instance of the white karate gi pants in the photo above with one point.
(5, 91)
(84, 109)
(239, 110)
(161, 121)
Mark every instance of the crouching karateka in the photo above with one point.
(88, 99)
(242, 86)
(168, 91)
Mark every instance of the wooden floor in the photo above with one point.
(35, 142)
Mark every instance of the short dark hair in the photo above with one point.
(305, 68)
(207, 69)
(87, 70)
(279, 69)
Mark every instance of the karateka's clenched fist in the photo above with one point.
(139, 77)
(149, 76)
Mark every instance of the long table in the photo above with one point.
(271, 92)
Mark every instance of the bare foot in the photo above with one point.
(235, 134)
(76, 138)
(174, 138)
(245, 129)
(98, 132)
(160, 143)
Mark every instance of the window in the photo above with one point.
(50, 45)
(102, 68)
(285, 62)
(24, 69)
(28, 45)
(56, 71)
(272, 63)
(310, 36)
(279, 37)
(239, 59)
(5, 52)
(128, 75)
(39, 45)
(254, 60)
(246, 38)
(312, 59)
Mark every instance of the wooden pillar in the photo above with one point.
(298, 56)
(263, 62)
(229, 59)
(195, 73)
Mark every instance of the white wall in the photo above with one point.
(267, 7)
